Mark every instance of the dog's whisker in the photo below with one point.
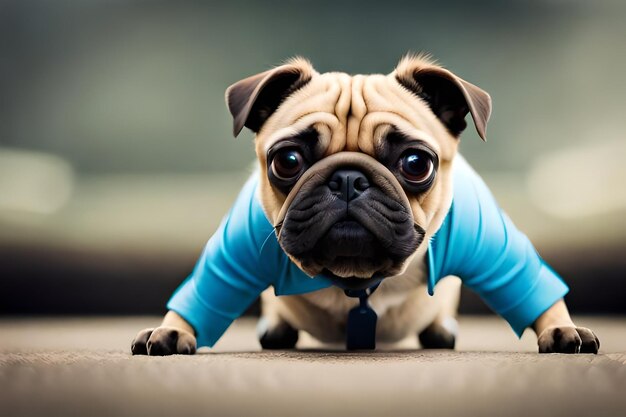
(269, 235)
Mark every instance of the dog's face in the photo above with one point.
(356, 170)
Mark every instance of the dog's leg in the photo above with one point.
(557, 333)
(273, 331)
(442, 332)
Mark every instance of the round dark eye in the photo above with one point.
(416, 166)
(287, 164)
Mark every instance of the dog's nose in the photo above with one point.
(348, 184)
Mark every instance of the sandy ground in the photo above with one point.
(82, 367)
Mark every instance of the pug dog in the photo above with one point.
(359, 208)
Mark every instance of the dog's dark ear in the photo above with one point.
(448, 96)
(252, 100)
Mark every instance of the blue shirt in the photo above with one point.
(476, 242)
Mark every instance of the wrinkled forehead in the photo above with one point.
(354, 113)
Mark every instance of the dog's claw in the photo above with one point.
(568, 340)
(138, 347)
(590, 342)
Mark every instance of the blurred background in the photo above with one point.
(117, 160)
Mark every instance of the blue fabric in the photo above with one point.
(477, 242)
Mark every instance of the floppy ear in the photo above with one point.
(448, 96)
(252, 100)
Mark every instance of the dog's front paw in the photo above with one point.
(163, 341)
(568, 340)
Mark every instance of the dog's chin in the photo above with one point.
(351, 282)
(348, 252)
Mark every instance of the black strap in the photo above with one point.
(361, 325)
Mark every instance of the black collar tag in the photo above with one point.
(361, 326)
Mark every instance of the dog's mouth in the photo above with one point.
(348, 239)
(352, 256)
(348, 251)
(371, 236)
(353, 283)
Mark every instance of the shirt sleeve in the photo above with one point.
(493, 258)
(229, 275)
